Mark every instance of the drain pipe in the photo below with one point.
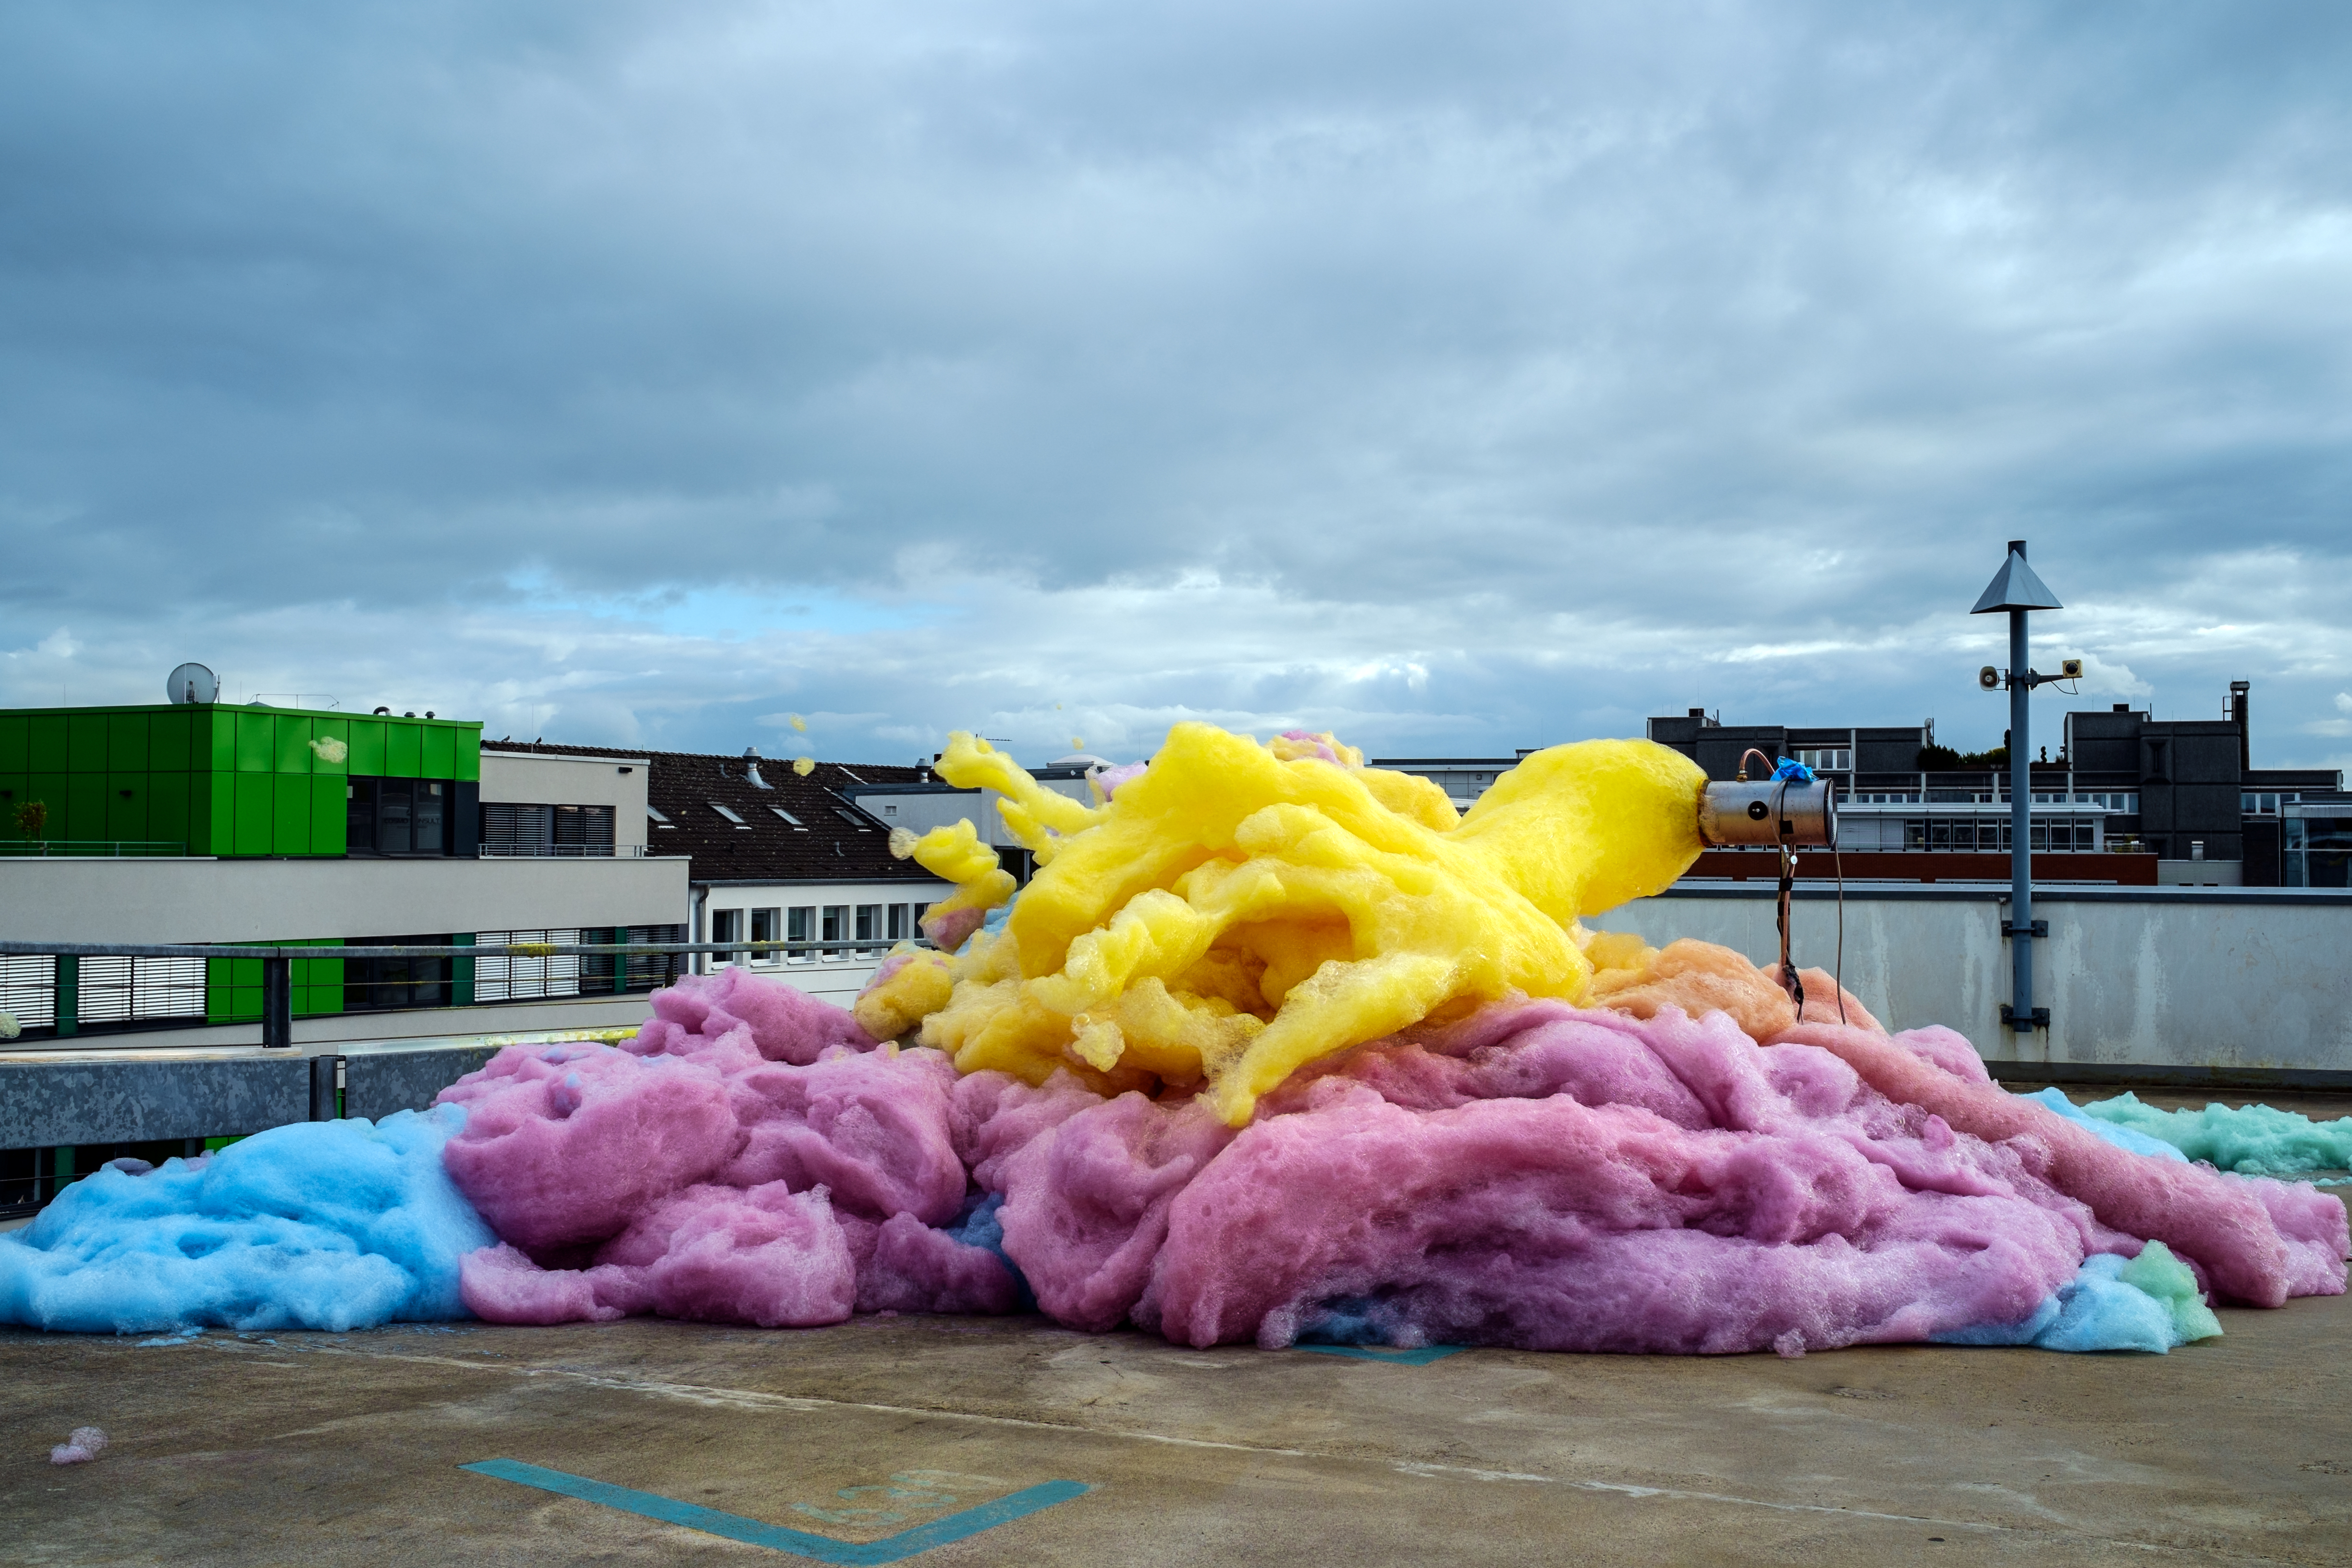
(702, 897)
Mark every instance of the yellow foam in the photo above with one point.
(1238, 910)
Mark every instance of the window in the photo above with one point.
(2259, 805)
(359, 816)
(1838, 759)
(730, 815)
(373, 984)
(397, 817)
(869, 925)
(890, 809)
(520, 977)
(797, 923)
(512, 828)
(851, 818)
(901, 921)
(763, 929)
(798, 825)
(727, 925)
(658, 820)
(117, 990)
(836, 928)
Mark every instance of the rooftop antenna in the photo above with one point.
(191, 683)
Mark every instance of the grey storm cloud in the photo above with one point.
(1462, 378)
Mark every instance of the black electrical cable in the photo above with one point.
(1829, 824)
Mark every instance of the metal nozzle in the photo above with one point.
(1799, 814)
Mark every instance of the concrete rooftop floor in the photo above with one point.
(325, 1449)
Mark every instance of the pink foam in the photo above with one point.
(2219, 1223)
(1535, 1175)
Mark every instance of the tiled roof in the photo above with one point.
(831, 841)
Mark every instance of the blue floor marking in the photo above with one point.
(1420, 1357)
(735, 1527)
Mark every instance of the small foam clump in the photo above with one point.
(2146, 1303)
(80, 1446)
(750, 1157)
(328, 1224)
(2251, 1139)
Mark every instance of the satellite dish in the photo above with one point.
(191, 683)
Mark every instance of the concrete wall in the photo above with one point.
(617, 780)
(197, 900)
(2251, 982)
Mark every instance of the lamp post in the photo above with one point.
(2015, 589)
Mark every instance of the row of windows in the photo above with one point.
(815, 922)
(2108, 800)
(1982, 834)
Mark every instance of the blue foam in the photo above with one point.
(321, 1224)
(2128, 1138)
(2148, 1303)
(979, 1226)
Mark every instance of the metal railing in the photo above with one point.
(278, 962)
(82, 847)
(561, 851)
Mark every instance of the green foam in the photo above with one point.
(2254, 1140)
(2159, 1273)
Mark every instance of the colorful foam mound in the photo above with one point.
(329, 1224)
(1274, 1049)
(1537, 1174)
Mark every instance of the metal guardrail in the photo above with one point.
(562, 852)
(86, 848)
(278, 962)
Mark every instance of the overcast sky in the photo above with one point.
(1465, 378)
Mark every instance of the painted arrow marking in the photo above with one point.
(1420, 1357)
(800, 1542)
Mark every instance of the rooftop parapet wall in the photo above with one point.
(2206, 986)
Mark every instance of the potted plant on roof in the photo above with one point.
(33, 822)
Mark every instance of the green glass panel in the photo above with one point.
(212, 814)
(167, 808)
(126, 743)
(290, 819)
(46, 743)
(293, 743)
(257, 807)
(323, 731)
(319, 983)
(328, 815)
(167, 741)
(470, 752)
(15, 742)
(215, 748)
(257, 741)
(439, 752)
(85, 808)
(403, 754)
(85, 747)
(232, 990)
(50, 790)
(126, 806)
(367, 748)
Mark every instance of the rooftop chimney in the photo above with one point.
(2238, 692)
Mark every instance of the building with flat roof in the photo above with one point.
(2181, 796)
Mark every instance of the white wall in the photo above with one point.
(836, 980)
(919, 811)
(202, 901)
(536, 779)
(2163, 977)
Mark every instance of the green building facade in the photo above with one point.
(212, 779)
